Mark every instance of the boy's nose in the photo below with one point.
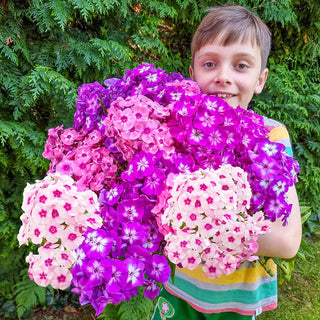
(222, 76)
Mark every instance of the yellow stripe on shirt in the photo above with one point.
(278, 133)
(239, 276)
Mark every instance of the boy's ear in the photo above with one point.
(191, 72)
(261, 81)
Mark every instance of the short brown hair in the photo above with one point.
(232, 23)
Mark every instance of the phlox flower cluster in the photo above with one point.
(145, 80)
(81, 155)
(56, 215)
(209, 133)
(207, 221)
(126, 252)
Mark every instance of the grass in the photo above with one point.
(299, 299)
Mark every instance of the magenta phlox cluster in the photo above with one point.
(208, 223)
(209, 133)
(56, 216)
(132, 138)
(81, 155)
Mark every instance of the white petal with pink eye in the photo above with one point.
(61, 278)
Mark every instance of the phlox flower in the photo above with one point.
(140, 111)
(153, 241)
(134, 233)
(92, 104)
(116, 275)
(279, 186)
(150, 167)
(212, 269)
(124, 119)
(36, 234)
(83, 152)
(152, 290)
(134, 132)
(143, 164)
(130, 210)
(68, 136)
(135, 273)
(93, 138)
(217, 138)
(41, 214)
(138, 252)
(71, 238)
(98, 243)
(96, 271)
(206, 121)
(61, 278)
(196, 137)
(154, 183)
(229, 264)
(65, 167)
(53, 232)
(175, 254)
(80, 256)
(205, 217)
(149, 127)
(81, 166)
(42, 276)
(275, 207)
(112, 195)
(191, 260)
(158, 269)
(50, 266)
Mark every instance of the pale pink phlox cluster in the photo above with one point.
(56, 215)
(82, 156)
(206, 221)
(51, 266)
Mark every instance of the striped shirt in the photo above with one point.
(250, 289)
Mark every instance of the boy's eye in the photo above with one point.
(242, 66)
(209, 65)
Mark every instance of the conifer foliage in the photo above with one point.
(48, 48)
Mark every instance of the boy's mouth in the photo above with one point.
(223, 95)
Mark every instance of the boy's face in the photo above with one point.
(231, 72)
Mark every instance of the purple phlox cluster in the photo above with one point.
(90, 112)
(129, 240)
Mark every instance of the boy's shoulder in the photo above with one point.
(271, 123)
(278, 133)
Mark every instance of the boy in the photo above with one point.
(229, 55)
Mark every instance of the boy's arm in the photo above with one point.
(283, 241)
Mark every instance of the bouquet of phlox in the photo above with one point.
(151, 170)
